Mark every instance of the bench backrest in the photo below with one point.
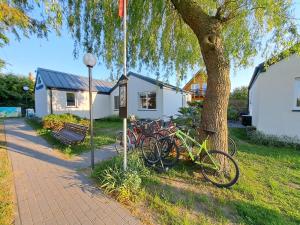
(78, 129)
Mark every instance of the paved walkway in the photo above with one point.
(49, 190)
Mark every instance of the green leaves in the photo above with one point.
(159, 38)
(12, 93)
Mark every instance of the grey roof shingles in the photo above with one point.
(60, 80)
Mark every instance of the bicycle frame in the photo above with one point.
(200, 147)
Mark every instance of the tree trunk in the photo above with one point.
(214, 113)
(209, 33)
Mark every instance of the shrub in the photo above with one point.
(125, 186)
(233, 113)
(258, 137)
(56, 122)
(190, 114)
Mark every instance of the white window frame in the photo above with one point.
(116, 109)
(296, 93)
(75, 99)
(139, 100)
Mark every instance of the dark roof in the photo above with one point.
(259, 69)
(152, 81)
(60, 80)
(263, 66)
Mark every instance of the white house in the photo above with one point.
(58, 92)
(274, 97)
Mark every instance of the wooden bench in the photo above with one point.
(71, 134)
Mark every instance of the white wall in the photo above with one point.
(272, 98)
(168, 101)
(101, 104)
(136, 85)
(41, 100)
(172, 101)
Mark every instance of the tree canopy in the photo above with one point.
(240, 93)
(12, 93)
(159, 37)
(28, 17)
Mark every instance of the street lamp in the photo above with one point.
(26, 89)
(90, 61)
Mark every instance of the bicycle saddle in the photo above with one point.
(210, 131)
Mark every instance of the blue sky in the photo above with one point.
(57, 53)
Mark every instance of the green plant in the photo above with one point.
(258, 137)
(111, 119)
(232, 113)
(56, 122)
(189, 113)
(6, 182)
(124, 185)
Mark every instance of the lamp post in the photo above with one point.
(90, 61)
(26, 89)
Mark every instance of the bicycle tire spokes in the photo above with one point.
(219, 168)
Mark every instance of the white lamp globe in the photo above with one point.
(89, 60)
(25, 88)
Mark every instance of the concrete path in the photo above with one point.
(49, 190)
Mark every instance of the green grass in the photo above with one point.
(6, 183)
(268, 191)
(104, 129)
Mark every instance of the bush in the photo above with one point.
(56, 122)
(233, 113)
(125, 186)
(189, 115)
(258, 137)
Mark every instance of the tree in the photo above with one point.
(17, 16)
(178, 34)
(240, 93)
(12, 93)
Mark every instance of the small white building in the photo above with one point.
(274, 97)
(58, 92)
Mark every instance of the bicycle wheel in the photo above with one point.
(150, 149)
(119, 145)
(169, 151)
(219, 168)
(232, 148)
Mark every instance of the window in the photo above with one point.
(204, 87)
(39, 80)
(147, 100)
(71, 100)
(195, 87)
(296, 103)
(116, 102)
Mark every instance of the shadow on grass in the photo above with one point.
(168, 196)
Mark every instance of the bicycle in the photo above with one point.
(216, 166)
(136, 135)
(232, 147)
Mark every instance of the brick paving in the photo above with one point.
(50, 190)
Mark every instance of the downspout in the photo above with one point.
(51, 104)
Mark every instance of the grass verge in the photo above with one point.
(6, 183)
(268, 191)
(104, 129)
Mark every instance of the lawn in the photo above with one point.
(268, 191)
(6, 183)
(104, 129)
